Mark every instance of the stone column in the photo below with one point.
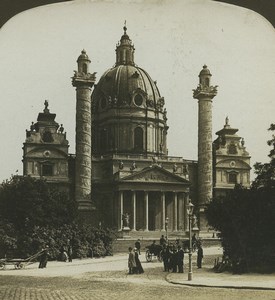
(175, 211)
(181, 219)
(163, 210)
(83, 81)
(204, 93)
(134, 210)
(146, 200)
(120, 210)
(186, 201)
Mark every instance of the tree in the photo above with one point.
(245, 219)
(33, 214)
(7, 238)
(266, 172)
(26, 202)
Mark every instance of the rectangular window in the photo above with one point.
(47, 170)
(232, 178)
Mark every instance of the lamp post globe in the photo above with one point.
(190, 208)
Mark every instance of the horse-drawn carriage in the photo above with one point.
(153, 251)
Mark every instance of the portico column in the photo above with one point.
(134, 209)
(163, 210)
(146, 200)
(186, 201)
(120, 210)
(175, 211)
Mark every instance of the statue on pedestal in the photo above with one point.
(126, 221)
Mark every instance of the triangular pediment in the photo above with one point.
(234, 163)
(155, 174)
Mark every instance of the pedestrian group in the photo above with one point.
(172, 255)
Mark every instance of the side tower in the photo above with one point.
(231, 160)
(83, 81)
(45, 150)
(204, 93)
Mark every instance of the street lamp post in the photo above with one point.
(190, 208)
(166, 228)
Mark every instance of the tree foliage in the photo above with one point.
(33, 214)
(25, 202)
(245, 219)
(86, 241)
(266, 172)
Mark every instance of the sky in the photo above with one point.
(173, 40)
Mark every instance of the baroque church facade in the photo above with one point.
(121, 164)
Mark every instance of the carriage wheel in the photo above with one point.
(148, 256)
(21, 265)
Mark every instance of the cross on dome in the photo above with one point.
(125, 28)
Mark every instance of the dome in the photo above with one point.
(125, 83)
(205, 71)
(122, 84)
(127, 110)
(83, 56)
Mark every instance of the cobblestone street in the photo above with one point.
(114, 285)
(106, 279)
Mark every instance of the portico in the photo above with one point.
(156, 195)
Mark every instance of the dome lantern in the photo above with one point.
(125, 50)
(83, 62)
(205, 76)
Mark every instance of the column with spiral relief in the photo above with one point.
(204, 93)
(83, 81)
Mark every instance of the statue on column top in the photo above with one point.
(226, 120)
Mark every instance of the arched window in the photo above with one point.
(207, 81)
(138, 138)
(103, 140)
(121, 56)
(232, 178)
(47, 169)
(84, 68)
(103, 102)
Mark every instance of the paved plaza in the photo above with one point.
(107, 278)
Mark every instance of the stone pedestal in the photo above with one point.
(194, 230)
(124, 233)
(203, 223)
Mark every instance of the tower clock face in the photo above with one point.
(47, 137)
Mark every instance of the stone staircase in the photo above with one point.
(122, 243)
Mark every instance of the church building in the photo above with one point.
(121, 165)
